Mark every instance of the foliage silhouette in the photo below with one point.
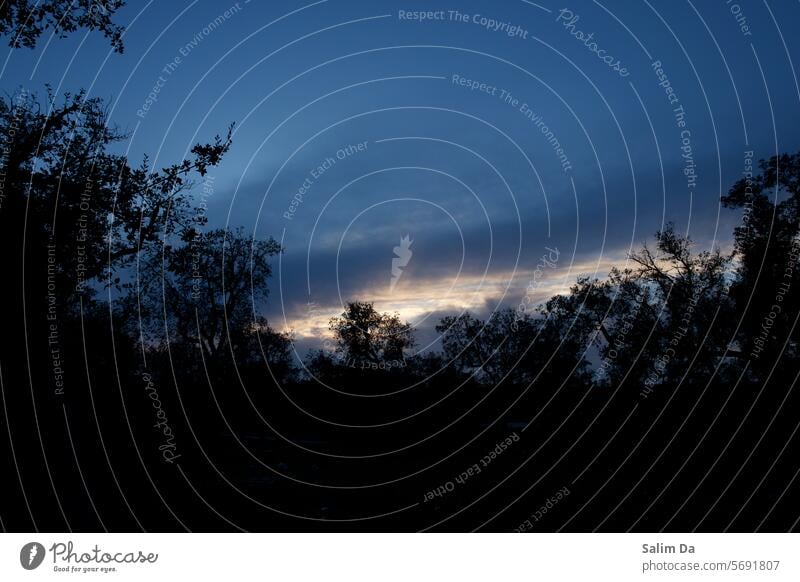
(25, 21)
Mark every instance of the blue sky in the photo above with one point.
(471, 175)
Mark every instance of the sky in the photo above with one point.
(515, 145)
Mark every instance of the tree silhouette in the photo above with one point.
(74, 217)
(365, 336)
(207, 292)
(767, 247)
(25, 21)
(98, 210)
(477, 347)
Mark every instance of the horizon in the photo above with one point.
(480, 221)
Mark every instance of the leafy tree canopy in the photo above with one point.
(24, 21)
